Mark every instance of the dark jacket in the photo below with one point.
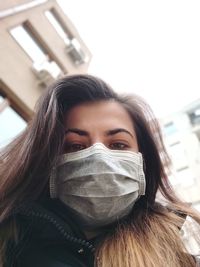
(47, 238)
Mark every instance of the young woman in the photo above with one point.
(78, 187)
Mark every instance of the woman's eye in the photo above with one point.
(74, 147)
(118, 146)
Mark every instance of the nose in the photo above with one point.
(97, 139)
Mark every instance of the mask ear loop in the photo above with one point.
(52, 184)
(142, 170)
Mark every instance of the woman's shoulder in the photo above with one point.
(36, 233)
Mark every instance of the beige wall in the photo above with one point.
(11, 3)
(15, 65)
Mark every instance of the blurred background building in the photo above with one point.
(181, 132)
(182, 137)
(38, 44)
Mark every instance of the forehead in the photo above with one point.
(101, 113)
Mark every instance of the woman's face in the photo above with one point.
(105, 122)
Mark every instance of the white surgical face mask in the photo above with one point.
(98, 184)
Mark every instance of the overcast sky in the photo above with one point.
(151, 48)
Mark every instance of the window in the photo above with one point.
(29, 43)
(170, 128)
(195, 116)
(58, 26)
(74, 47)
(11, 124)
(44, 68)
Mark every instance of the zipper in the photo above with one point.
(60, 229)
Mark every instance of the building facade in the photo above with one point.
(182, 137)
(181, 132)
(38, 44)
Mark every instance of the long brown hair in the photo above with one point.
(151, 236)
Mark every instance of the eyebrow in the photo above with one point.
(109, 132)
(77, 131)
(119, 130)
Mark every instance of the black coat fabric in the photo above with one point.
(47, 237)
